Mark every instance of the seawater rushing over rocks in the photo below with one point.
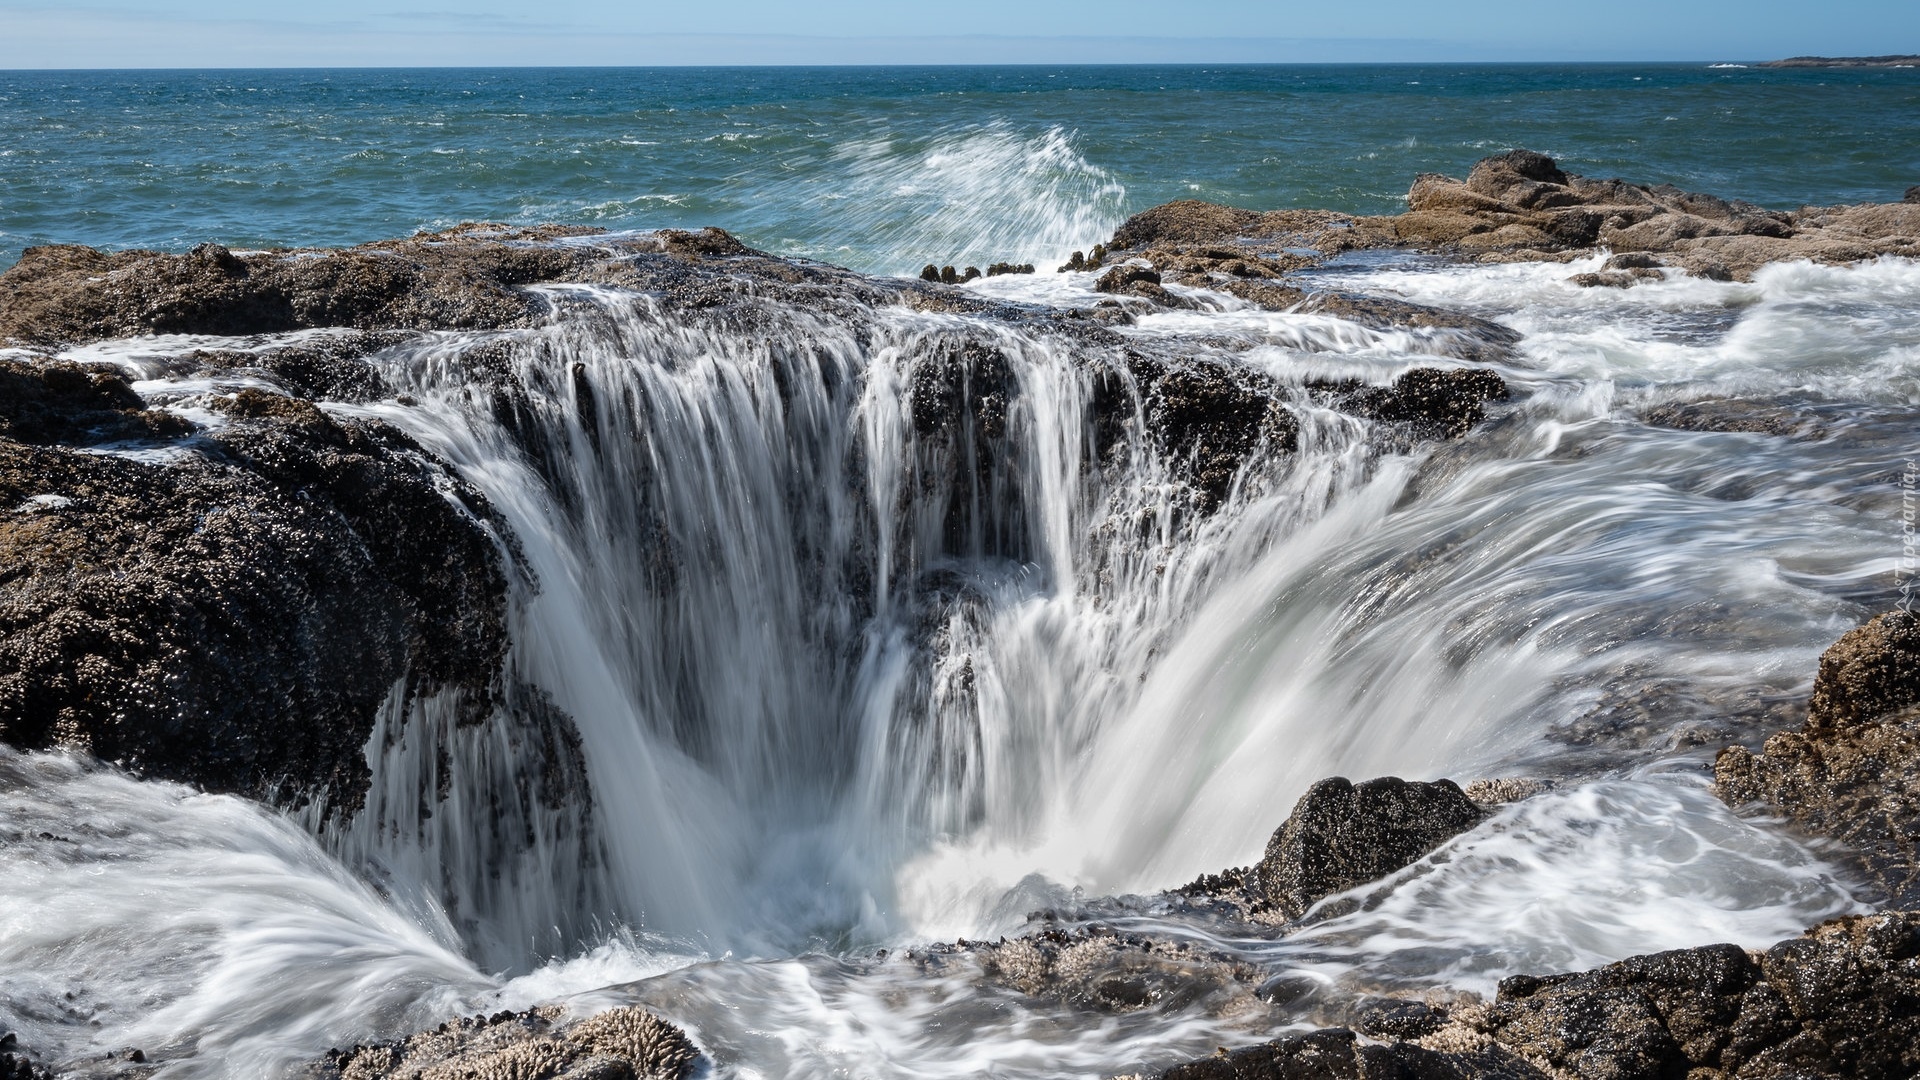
(539, 652)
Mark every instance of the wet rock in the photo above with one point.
(1650, 1016)
(1841, 1001)
(1398, 1018)
(63, 403)
(1852, 772)
(1187, 221)
(1614, 279)
(709, 242)
(1120, 278)
(1210, 420)
(1000, 268)
(1336, 1054)
(1870, 672)
(621, 1044)
(1435, 402)
(1913, 194)
(234, 615)
(1341, 835)
(1736, 415)
(1522, 205)
(1507, 789)
(1099, 968)
(15, 1065)
(325, 369)
(470, 277)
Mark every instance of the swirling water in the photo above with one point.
(832, 721)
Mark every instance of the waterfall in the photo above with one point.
(817, 589)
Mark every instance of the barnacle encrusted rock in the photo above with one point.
(621, 1044)
(1852, 772)
(1341, 835)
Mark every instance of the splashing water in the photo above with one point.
(870, 640)
(974, 196)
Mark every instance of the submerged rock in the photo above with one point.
(1109, 971)
(621, 1044)
(1337, 1054)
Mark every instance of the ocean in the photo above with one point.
(838, 727)
(886, 169)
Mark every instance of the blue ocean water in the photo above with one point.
(887, 168)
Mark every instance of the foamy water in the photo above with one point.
(1034, 710)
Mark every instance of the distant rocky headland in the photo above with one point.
(1843, 62)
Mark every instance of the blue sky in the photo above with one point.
(232, 33)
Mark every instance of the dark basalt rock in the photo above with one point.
(1734, 415)
(1841, 1001)
(18, 1066)
(1121, 278)
(62, 403)
(469, 277)
(1435, 402)
(1108, 971)
(1852, 772)
(1335, 1054)
(1870, 672)
(1341, 835)
(621, 1044)
(234, 618)
(1913, 194)
(1209, 419)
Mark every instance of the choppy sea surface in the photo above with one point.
(792, 795)
(888, 168)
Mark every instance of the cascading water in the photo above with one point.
(872, 634)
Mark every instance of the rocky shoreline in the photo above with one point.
(228, 598)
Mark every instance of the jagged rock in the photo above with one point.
(1436, 402)
(1186, 221)
(1506, 789)
(1000, 268)
(1102, 969)
(1341, 835)
(1335, 1054)
(235, 617)
(1913, 194)
(1118, 279)
(469, 277)
(1841, 1001)
(1209, 419)
(1522, 205)
(1870, 672)
(54, 403)
(17, 1066)
(1852, 772)
(620, 1044)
